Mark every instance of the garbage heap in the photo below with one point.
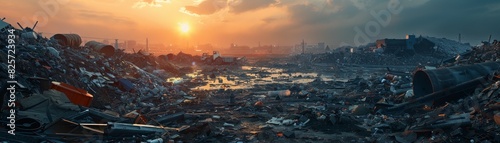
(372, 58)
(67, 92)
(456, 102)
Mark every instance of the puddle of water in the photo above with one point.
(175, 80)
(259, 76)
(195, 74)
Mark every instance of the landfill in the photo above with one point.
(69, 91)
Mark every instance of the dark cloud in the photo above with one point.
(335, 20)
(249, 5)
(475, 20)
(320, 21)
(324, 21)
(330, 12)
(207, 7)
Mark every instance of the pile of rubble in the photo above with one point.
(68, 93)
(372, 58)
(448, 47)
(88, 89)
(457, 102)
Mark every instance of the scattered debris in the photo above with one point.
(96, 93)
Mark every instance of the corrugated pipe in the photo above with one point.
(428, 81)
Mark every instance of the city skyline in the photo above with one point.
(280, 22)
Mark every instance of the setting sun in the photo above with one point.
(184, 27)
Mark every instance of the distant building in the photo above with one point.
(282, 50)
(121, 45)
(239, 50)
(308, 48)
(205, 48)
(263, 50)
(410, 41)
(343, 49)
(315, 49)
(156, 48)
(131, 44)
(321, 45)
(397, 45)
(297, 49)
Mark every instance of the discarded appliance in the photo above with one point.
(70, 40)
(75, 95)
(428, 81)
(107, 50)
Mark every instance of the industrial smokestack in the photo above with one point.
(460, 38)
(116, 44)
(303, 47)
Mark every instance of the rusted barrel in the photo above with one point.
(107, 50)
(70, 40)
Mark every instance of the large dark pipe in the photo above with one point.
(428, 81)
(70, 40)
(430, 99)
(107, 50)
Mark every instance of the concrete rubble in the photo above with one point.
(73, 93)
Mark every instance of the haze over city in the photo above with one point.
(250, 22)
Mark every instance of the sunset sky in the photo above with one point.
(248, 22)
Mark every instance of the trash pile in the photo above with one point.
(448, 47)
(95, 93)
(72, 93)
(371, 58)
(457, 102)
(428, 51)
